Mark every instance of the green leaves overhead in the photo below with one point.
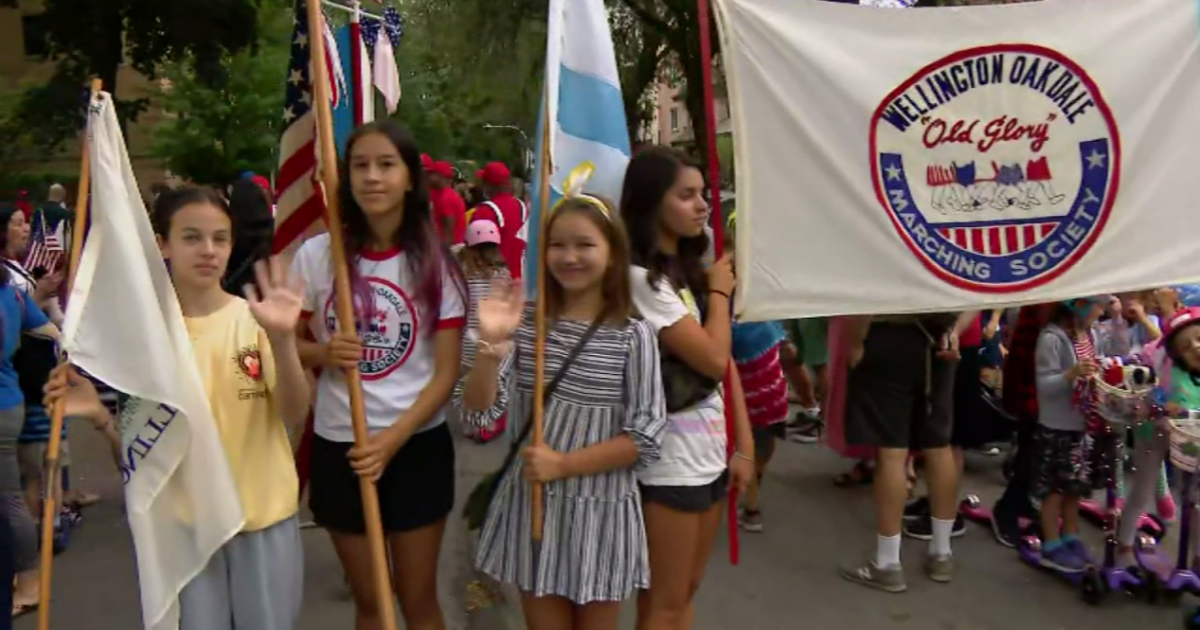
(89, 38)
(214, 130)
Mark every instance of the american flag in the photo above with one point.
(300, 202)
(392, 24)
(45, 245)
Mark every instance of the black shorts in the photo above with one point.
(691, 499)
(416, 489)
(887, 404)
(764, 439)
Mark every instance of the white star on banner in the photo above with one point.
(288, 115)
(296, 77)
(302, 40)
(893, 173)
(1096, 159)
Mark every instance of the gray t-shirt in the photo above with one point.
(1054, 356)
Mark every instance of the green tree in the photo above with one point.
(464, 65)
(212, 131)
(93, 38)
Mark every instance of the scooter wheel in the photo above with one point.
(1152, 585)
(1092, 588)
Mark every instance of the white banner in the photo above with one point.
(942, 159)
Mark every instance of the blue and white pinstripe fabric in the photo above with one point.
(586, 111)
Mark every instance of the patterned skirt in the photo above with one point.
(765, 388)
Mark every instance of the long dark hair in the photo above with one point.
(428, 259)
(650, 176)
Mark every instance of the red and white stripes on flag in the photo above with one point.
(46, 246)
(300, 202)
(999, 240)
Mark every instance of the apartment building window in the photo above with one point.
(674, 119)
(34, 31)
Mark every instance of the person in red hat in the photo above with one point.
(506, 211)
(449, 209)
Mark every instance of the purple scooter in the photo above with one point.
(1090, 581)
(1163, 581)
(1094, 582)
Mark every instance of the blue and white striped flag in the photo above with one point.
(586, 114)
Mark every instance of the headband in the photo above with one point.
(573, 189)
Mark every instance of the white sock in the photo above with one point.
(939, 545)
(887, 551)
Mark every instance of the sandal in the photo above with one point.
(861, 475)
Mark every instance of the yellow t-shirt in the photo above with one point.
(238, 370)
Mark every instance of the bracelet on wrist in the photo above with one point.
(719, 292)
(740, 455)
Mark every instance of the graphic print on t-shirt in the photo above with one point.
(388, 338)
(249, 367)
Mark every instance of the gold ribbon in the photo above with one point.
(573, 187)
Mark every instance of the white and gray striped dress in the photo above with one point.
(594, 541)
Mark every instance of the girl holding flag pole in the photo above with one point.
(606, 419)
(663, 205)
(246, 354)
(410, 301)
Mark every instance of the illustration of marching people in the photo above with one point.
(570, 402)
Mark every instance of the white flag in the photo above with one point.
(125, 327)
(943, 159)
(387, 75)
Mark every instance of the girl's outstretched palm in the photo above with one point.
(278, 307)
(500, 311)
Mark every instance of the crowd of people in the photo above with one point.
(642, 440)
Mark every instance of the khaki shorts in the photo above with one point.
(31, 457)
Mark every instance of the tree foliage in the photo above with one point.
(93, 38)
(465, 64)
(214, 130)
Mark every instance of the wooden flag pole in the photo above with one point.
(51, 471)
(539, 317)
(345, 305)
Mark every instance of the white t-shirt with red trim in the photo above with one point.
(398, 345)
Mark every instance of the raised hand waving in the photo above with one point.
(277, 308)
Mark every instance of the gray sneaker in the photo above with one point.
(889, 579)
(939, 568)
(751, 521)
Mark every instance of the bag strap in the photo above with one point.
(496, 210)
(546, 393)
